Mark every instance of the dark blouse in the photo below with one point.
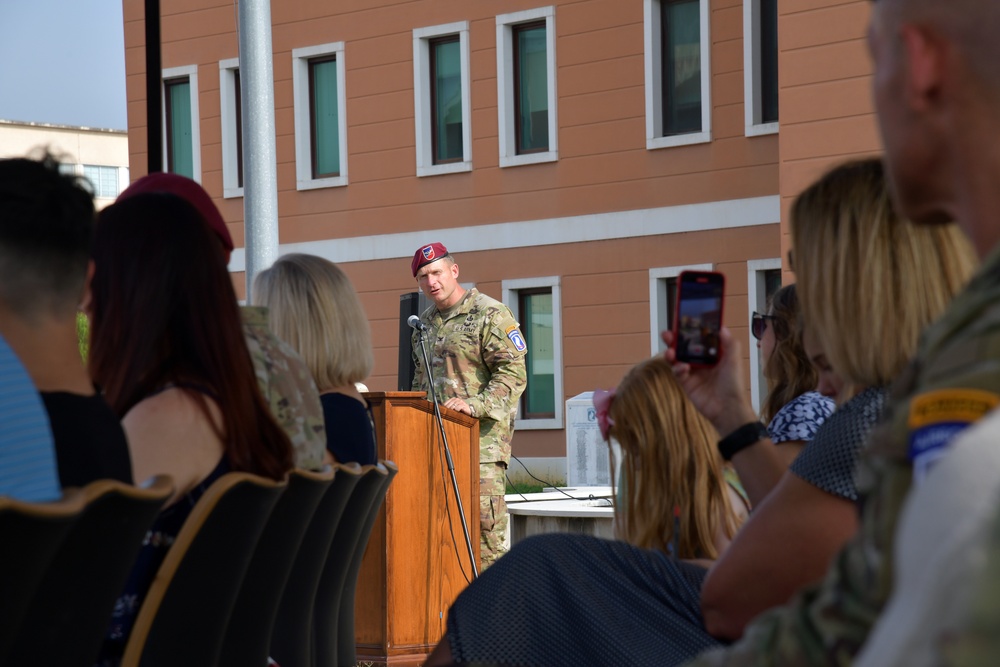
(350, 429)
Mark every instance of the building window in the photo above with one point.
(763, 280)
(678, 73)
(535, 303)
(104, 179)
(320, 116)
(442, 107)
(181, 136)
(760, 57)
(526, 87)
(231, 114)
(663, 300)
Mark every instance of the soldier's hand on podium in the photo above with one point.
(458, 404)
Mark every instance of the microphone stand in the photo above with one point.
(447, 450)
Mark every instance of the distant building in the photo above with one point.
(574, 155)
(100, 155)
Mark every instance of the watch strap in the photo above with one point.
(741, 438)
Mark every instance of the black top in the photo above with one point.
(90, 443)
(350, 429)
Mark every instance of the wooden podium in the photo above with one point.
(413, 566)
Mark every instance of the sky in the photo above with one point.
(63, 62)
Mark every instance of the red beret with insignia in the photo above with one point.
(427, 254)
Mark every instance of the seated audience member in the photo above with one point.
(27, 458)
(167, 346)
(792, 410)
(845, 234)
(314, 308)
(45, 236)
(673, 494)
(284, 380)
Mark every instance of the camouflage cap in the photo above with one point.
(427, 254)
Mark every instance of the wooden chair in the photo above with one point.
(184, 615)
(31, 533)
(248, 635)
(68, 616)
(333, 615)
(291, 638)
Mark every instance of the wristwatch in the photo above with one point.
(741, 438)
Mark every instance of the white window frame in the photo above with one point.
(191, 72)
(422, 98)
(507, 135)
(227, 112)
(654, 86)
(510, 290)
(658, 317)
(757, 302)
(751, 72)
(303, 145)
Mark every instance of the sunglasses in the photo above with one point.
(758, 324)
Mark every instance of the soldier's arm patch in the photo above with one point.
(516, 339)
(935, 419)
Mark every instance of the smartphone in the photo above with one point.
(698, 318)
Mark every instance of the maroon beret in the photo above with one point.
(427, 254)
(191, 192)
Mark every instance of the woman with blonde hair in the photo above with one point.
(313, 307)
(673, 494)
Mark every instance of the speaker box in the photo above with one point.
(412, 303)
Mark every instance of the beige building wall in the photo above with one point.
(605, 221)
(78, 146)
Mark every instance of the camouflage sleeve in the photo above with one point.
(503, 351)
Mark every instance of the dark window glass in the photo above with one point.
(539, 398)
(446, 99)
(324, 117)
(671, 302)
(681, 66)
(768, 61)
(772, 283)
(239, 128)
(180, 143)
(531, 88)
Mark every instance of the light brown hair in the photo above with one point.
(669, 460)
(313, 307)
(788, 371)
(870, 281)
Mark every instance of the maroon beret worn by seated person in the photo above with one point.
(191, 192)
(427, 254)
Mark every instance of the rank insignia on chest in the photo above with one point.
(937, 417)
(515, 337)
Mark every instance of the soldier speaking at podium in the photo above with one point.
(477, 361)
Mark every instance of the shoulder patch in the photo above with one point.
(937, 417)
(516, 338)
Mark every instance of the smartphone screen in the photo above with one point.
(699, 317)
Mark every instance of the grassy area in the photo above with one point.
(524, 487)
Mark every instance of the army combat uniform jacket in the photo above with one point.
(477, 354)
(953, 381)
(288, 388)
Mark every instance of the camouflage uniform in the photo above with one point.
(953, 381)
(477, 354)
(288, 388)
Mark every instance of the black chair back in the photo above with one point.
(248, 635)
(68, 616)
(184, 615)
(291, 638)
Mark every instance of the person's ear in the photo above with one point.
(454, 271)
(924, 60)
(86, 299)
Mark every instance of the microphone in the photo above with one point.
(415, 323)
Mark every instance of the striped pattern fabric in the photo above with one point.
(27, 456)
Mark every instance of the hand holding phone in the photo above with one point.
(698, 318)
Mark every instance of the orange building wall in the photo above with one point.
(603, 165)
